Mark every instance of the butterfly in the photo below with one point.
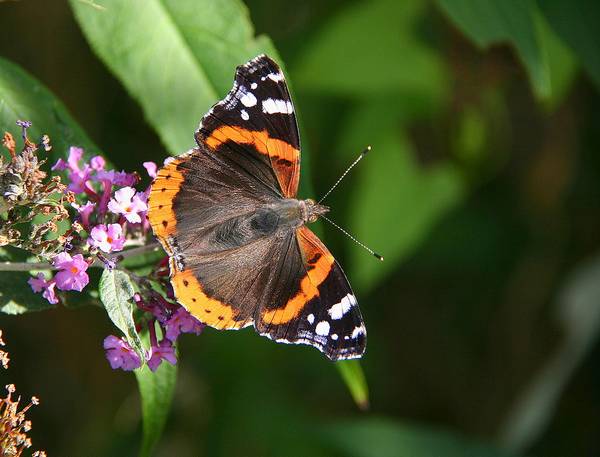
(226, 213)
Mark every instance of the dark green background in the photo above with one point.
(482, 191)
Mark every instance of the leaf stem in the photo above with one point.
(28, 266)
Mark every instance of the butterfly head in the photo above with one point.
(311, 210)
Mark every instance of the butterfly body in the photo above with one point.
(227, 214)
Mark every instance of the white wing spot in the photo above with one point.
(271, 106)
(334, 336)
(248, 99)
(310, 318)
(358, 331)
(276, 77)
(338, 310)
(245, 115)
(253, 86)
(322, 328)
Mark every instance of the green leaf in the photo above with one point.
(143, 264)
(23, 97)
(354, 377)
(16, 296)
(395, 201)
(562, 63)
(489, 22)
(382, 437)
(576, 22)
(175, 57)
(156, 392)
(116, 293)
(392, 57)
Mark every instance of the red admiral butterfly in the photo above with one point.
(226, 213)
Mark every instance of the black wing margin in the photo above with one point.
(258, 114)
(323, 313)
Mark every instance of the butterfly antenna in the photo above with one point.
(362, 154)
(362, 245)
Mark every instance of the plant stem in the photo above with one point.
(28, 266)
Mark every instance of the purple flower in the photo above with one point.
(163, 351)
(98, 163)
(182, 322)
(72, 163)
(60, 165)
(78, 176)
(153, 305)
(50, 294)
(79, 180)
(120, 354)
(150, 168)
(127, 203)
(84, 212)
(107, 239)
(118, 178)
(72, 274)
(38, 284)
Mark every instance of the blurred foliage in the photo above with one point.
(156, 392)
(576, 23)
(383, 34)
(481, 191)
(18, 300)
(22, 97)
(356, 438)
(489, 22)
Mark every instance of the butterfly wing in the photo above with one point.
(258, 112)
(323, 312)
(227, 266)
(203, 209)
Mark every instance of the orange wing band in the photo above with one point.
(284, 157)
(165, 187)
(208, 310)
(318, 261)
(187, 289)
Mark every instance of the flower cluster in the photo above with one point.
(110, 213)
(113, 214)
(172, 320)
(13, 424)
(107, 214)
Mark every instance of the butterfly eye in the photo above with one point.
(313, 218)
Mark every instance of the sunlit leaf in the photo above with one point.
(116, 293)
(175, 57)
(489, 22)
(354, 377)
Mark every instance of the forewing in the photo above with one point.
(194, 204)
(323, 312)
(258, 114)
